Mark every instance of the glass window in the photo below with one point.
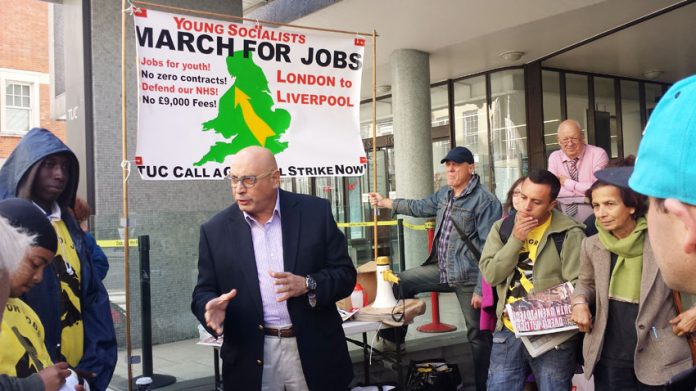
(17, 106)
(471, 122)
(653, 93)
(577, 98)
(302, 185)
(440, 149)
(438, 105)
(605, 116)
(508, 129)
(384, 118)
(551, 89)
(630, 116)
(330, 188)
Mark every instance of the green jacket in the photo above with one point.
(498, 260)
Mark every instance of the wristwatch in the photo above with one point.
(310, 283)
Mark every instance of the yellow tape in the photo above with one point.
(415, 227)
(366, 224)
(116, 243)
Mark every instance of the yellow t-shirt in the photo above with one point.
(22, 348)
(67, 264)
(522, 283)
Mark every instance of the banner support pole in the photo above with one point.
(375, 211)
(124, 186)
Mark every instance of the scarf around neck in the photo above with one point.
(624, 284)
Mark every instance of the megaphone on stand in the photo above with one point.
(384, 297)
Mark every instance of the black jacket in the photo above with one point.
(312, 244)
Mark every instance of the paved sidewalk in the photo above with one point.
(192, 364)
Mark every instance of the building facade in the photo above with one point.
(25, 89)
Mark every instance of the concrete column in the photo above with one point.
(412, 140)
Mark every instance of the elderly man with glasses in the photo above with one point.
(574, 165)
(270, 270)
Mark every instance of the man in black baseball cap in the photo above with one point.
(459, 155)
(465, 211)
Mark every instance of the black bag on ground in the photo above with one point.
(433, 375)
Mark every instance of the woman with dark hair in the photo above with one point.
(628, 161)
(489, 300)
(629, 343)
(513, 195)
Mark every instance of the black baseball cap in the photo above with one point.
(617, 176)
(459, 155)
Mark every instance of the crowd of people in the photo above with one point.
(57, 320)
(273, 264)
(582, 221)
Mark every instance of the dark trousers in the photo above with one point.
(427, 279)
(619, 379)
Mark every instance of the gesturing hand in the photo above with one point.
(288, 284)
(54, 377)
(215, 311)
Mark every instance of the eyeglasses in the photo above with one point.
(567, 140)
(248, 181)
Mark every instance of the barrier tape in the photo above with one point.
(116, 243)
(415, 227)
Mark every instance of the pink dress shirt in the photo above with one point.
(591, 159)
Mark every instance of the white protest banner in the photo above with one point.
(209, 88)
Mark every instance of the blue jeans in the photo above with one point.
(511, 364)
(427, 279)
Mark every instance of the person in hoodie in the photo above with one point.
(71, 301)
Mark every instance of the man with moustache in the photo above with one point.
(531, 259)
(270, 270)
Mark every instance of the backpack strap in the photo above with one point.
(558, 238)
(506, 227)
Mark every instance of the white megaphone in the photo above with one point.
(385, 277)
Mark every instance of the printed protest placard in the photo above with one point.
(209, 88)
(543, 312)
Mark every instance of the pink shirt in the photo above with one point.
(590, 161)
(268, 251)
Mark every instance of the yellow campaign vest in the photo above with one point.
(22, 348)
(531, 246)
(67, 263)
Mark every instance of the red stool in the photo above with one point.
(435, 326)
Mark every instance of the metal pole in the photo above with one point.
(146, 316)
(145, 303)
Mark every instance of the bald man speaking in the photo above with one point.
(270, 270)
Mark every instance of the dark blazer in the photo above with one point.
(312, 244)
(655, 360)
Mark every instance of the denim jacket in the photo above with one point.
(473, 213)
